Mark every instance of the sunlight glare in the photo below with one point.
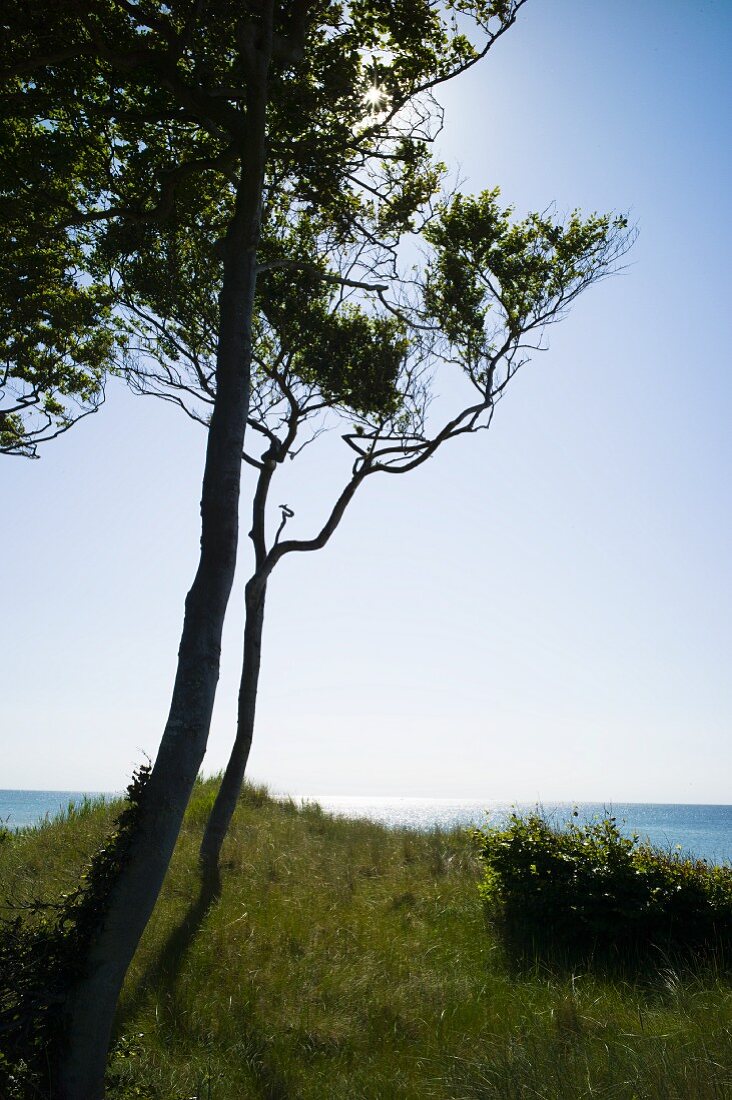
(375, 98)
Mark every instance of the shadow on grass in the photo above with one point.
(163, 972)
(641, 964)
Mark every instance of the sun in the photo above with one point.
(375, 98)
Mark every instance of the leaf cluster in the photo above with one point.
(493, 277)
(350, 355)
(58, 335)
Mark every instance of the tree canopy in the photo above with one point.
(375, 353)
(124, 126)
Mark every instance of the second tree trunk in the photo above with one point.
(228, 793)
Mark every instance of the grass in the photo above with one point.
(348, 961)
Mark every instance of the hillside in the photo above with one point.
(344, 960)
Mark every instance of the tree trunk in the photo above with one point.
(256, 590)
(228, 793)
(92, 999)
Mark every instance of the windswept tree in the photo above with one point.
(368, 361)
(209, 116)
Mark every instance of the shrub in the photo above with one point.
(42, 950)
(588, 890)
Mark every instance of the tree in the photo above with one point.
(209, 115)
(367, 360)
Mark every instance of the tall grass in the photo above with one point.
(346, 960)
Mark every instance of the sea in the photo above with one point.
(702, 831)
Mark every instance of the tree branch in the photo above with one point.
(303, 545)
(326, 276)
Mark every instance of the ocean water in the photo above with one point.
(19, 809)
(703, 831)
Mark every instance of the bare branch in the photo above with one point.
(303, 545)
(326, 276)
(287, 513)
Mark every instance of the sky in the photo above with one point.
(541, 612)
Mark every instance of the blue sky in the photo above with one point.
(542, 612)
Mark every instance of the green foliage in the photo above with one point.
(493, 278)
(353, 358)
(125, 138)
(589, 890)
(58, 337)
(42, 952)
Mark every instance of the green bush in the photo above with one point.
(588, 890)
(43, 947)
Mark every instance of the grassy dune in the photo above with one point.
(350, 961)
